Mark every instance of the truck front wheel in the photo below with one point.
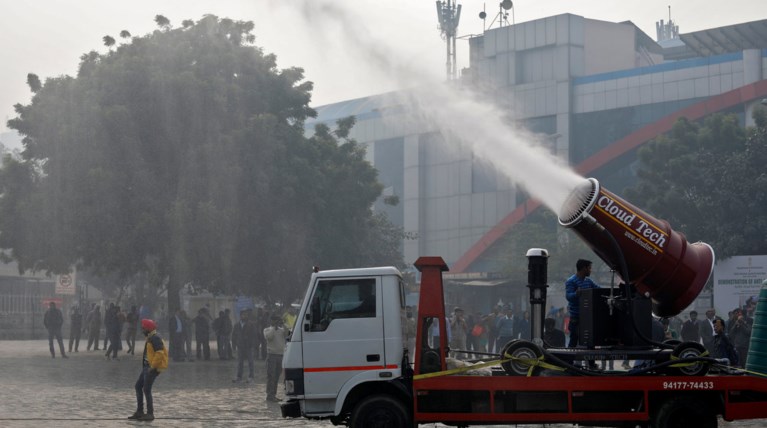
(684, 412)
(380, 411)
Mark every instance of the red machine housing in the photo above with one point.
(661, 263)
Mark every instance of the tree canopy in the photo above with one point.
(709, 180)
(180, 156)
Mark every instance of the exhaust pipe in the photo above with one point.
(661, 263)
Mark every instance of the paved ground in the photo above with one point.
(87, 390)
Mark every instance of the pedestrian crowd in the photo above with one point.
(723, 338)
(255, 334)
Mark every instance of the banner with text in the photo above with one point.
(737, 282)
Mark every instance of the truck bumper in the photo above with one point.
(290, 409)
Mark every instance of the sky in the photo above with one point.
(47, 37)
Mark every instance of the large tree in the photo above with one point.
(180, 157)
(709, 180)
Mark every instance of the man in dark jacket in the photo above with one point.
(690, 329)
(721, 344)
(75, 328)
(740, 333)
(112, 325)
(93, 321)
(244, 335)
(53, 320)
(552, 336)
(202, 334)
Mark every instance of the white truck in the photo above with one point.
(350, 335)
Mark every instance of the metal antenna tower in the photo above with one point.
(448, 14)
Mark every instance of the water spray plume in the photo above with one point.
(460, 114)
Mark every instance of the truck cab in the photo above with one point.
(350, 337)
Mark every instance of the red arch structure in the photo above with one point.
(696, 111)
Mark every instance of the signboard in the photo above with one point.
(737, 282)
(65, 284)
(46, 302)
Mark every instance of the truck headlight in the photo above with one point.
(290, 387)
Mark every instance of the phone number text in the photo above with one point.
(688, 385)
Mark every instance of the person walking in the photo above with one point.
(112, 325)
(94, 326)
(244, 338)
(130, 332)
(53, 320)
(106, 326)
(154, 362)
(275, 336)
(75, 328)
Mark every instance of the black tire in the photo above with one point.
(689, 350)
(520, 349)
(380, 411)
(684, 412)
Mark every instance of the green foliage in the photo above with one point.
(109, 41)
(162, 22)
(180, 157)
(709, 181)
(33, 82)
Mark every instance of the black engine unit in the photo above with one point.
(599, 328)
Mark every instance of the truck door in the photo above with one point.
(343, 334)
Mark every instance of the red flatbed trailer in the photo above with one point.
(476, 400)
(658, 401)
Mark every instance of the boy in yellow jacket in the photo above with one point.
(154, 362)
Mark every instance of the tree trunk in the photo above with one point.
(174, 298)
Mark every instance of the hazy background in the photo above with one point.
(47, 37)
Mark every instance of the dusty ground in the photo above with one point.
(87, 390)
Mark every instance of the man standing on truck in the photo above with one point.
(579, 281)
